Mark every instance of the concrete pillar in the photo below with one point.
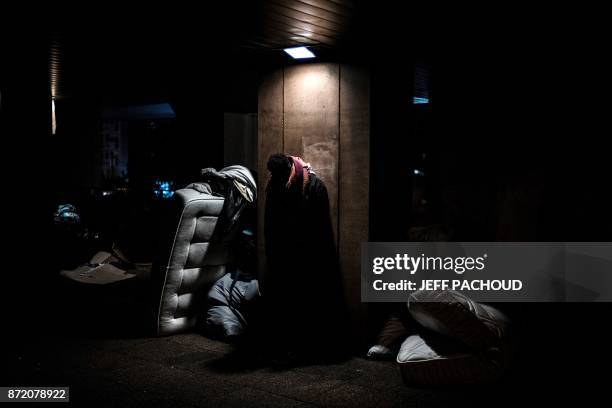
(321, 112)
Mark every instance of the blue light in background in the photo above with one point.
(417, 100)
(153, 111)
(163, 189)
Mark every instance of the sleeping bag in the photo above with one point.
(228, 305)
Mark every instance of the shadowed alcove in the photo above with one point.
(321, 112)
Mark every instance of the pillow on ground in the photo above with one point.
(423, 364)
(458, 317)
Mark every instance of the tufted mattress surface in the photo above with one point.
(194, 261)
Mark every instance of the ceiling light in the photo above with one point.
(299, 52)
(419, 100)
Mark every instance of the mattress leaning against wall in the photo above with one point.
(195, 255)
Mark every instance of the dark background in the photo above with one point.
(515, 135)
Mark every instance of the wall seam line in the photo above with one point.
(339, 167)
(283, 113)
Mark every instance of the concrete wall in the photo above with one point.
(240, 139)
(321, 112)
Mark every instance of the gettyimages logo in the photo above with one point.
(489, 271)
(411, 264)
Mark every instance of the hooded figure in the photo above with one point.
(302, 282)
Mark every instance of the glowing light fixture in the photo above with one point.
(420, 100)
(299, 52)
(53, 122)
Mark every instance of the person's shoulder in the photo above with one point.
(315, 184)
